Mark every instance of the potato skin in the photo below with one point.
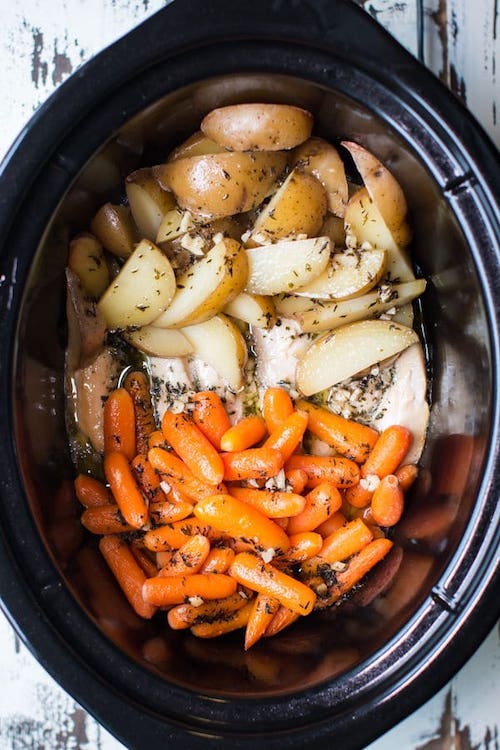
(213, 186)
(321, 159)
(258, 127)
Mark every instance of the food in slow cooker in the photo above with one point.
(246, 392)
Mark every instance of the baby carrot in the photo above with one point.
(304, 545)
(342, 472)
(345, 541)
(387, 502)
(164, 591)
(276, 407)
(406, 476)
(288, 435)
(157, 440)
(173, 535)
(90, 492)
(238, 519)
(321, 502)
(147, 478)
(281, 620)
(127, 572)
(350, 438)
(297, 479)
(105, 519)
(176, 472)
(272, 503)
(251, 571)
(119, 424)
(227, 624)
(166, 511)
(357, 567)
(189, 558)
(388, 452)
(137, 385)
(218, 560)
(184, 615)
(193, 447)
(210, 416)
(245, 433)
(335, 521)
(145, 562)
(360, 495)
(253, 463)
(125, 490)
(263, 610)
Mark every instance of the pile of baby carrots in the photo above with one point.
(228, 527)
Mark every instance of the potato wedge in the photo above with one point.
(86, 259)
(160, 342)
(175, 223)
(206, 287)
(196, 145)
(348, 350)
(319, 158)
(299, 206)
(364, 223)
(326, 316)
(286, 265)
(348, 274)
(115, 228)
(384, 190)
(291, 305)
(143, 288)
(219, 342)
(254, 309)
(213, 186)
(148, 201)
(333, 227)
(258, 127)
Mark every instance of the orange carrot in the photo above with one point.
(288, 435)
(281, 620)
(245, 433)
(276, 407)
(166, 511)
(193, 447)
(388, 452)
(164, 591)
(263, 610)
(272, 503)
(174, 535)
(251, 571)
(225, 625)
(360, 495)
(304, 545)
(125, 490)
(189, 558)
(345, 541)
(157, 440)
(119, 424)
(218, 560)
(147, 479)
(321, 502)
(105, 519)
(137, 385)
(387, 502)
(334, 522)
(145, 562)
(350, 438)
(357, 567)
(406, 476)
(253, 463)
(176, 472)
(297, 479)
(127, 572)
(210, 416)
(342, 472)
(90, 492)
(240, 520)
(184, 615)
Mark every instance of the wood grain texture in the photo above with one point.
(41, 44)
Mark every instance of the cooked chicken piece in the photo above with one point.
(277, 351)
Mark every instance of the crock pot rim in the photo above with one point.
(20, 183)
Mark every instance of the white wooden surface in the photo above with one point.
(41, 43)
